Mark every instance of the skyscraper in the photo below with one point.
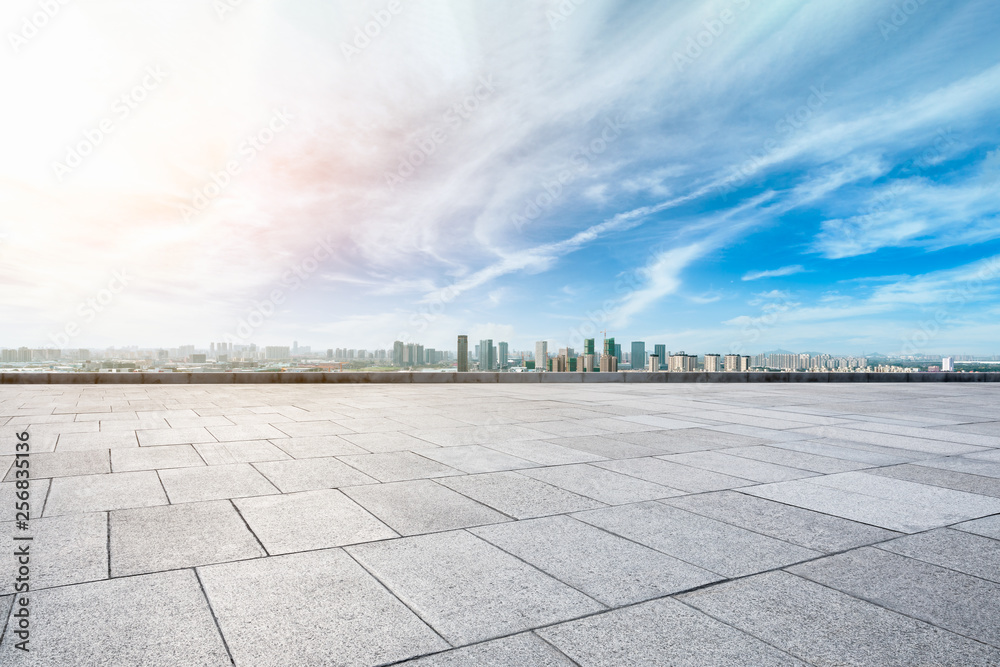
(638, 356)
(397, 353)
(588, 346)
(712, 363)
(503, 356)
(661, 352)
(487, 362)
(541, 354)
(463, 354)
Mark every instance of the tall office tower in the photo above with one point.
(638, 356)
(397, 353)
(463, 354)
(618, 352)
(503, 356)
(487, 362)
(711, 363)
(430, 355)
(419, 357)
(661, 352)
(654, 364)
(947, 363)
(588, 346)
(732, 363)
(541, 354)
(478, 355)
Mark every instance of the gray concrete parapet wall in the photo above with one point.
(453, 377)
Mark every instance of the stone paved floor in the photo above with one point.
(508, 524)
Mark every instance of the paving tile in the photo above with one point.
(602, 485)
(873, 455)
(518, 496)
(387, 441)
(904, 442)
(135, 425)
(421, 506)
(310, 520)
(954, 549)
(75, 442)
(805, 528)
(969, 465)
(756, 471)
(606, 447)
(197, 422)
(153, 539)
(615, 571)
(316, 446)
(987, 526)
(65, 464)
(660, 633)
(238, 480)
(174, 436)
(240, 451)
(99, 493)
(514, 651)
(826, 627)
(154, 620)
(371, 424)
(897, 505)
(398, 466)
(6, 462)
(467, 589)
(475, 459)
(152, 458)
(948, 479)
(675, 475)
(316, 608)
(310, 474)
(709, 544)
(544, 452)
(793, 459)
(312, 428)
(963, 604)
(245, 432)
(64, 550)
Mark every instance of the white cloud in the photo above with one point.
(774, 273)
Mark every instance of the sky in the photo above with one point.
(718, 177)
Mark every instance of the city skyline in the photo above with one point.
(737, 175)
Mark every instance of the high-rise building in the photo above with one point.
(487, 362)
(463, 354)
(712, 363)
(276, 352)
(733, 363)
(588, 346)
(618, 352)
(503, 356)
(654, 363)
(947, 363)
(541, 354)
(397, 353)
(683, 363)
(744, 364)
(638, 355)
(661, 352)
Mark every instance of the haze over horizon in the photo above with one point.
(715, 176)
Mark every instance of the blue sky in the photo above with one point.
(714, 176)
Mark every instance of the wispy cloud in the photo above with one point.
(774, 273)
